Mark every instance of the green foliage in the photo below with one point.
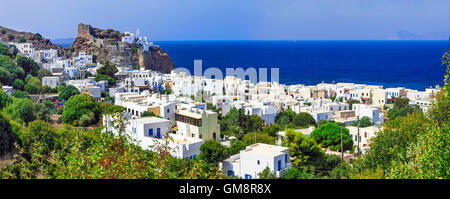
(236, 123)
(115, 109)
(402, 108)
(365, 122)
(111, 80)
(294, 173)
(28, 65)
(212, 152)
(148, 114)
(236, 146)
(446, 61)
(67, 92)
(440, 109)
(7, 136)
(34, 86)
(84, 120)
(303, 120)
(252, 138)
(50, 106)
(329, 136)
(5, 99)
(272, 130)
(108, 69)
(392, 143)
(41, 135)
(79, 105)
(267, 174)
(342, 171)
(21, 39)
(21, 109)
(302, 149)
(284, 118)
(351, 102)
(428, 159)
(42, 112)
(18, 84)
(20, 94)
(43, 73)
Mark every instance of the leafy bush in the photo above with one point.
(329, 136)
(78, 106)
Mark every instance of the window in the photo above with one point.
(279, 165)
(134, 130)
(158, 133)
(258, 162)
(247, 176)
(286, 158)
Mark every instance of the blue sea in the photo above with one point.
(410, 64)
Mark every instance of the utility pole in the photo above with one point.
(358, 136)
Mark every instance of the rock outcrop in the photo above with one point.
(39, 43)
(107, 45)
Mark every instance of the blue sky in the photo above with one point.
(233, 19)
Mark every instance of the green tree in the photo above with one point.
(79, 105)
(252, 138)
(267, 174)
(329, 136)
(303, 120)
(43, 73)
(294, 173)
(284, 118)
(5, 99)
(392, 142)
(108, 69)
(21, 109)
(34, 86)
(18, 84)
(68, 92)
(7, 136)
(212, 152)
(39, 134)
(365, 122)
(100, 77)
(272, 130)
(302, 149)
(20, 94)
(42, 112)
(29, 66)
(236, 146)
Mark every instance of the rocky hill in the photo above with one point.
(103, 44)
(107, 45)
(8, 35)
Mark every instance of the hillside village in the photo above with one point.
(161, 104)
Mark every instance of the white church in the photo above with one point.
(136, 38)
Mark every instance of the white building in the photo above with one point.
(375, 115)
(249, 163)
(25, 49)
(50, 81)
(151, 132)
(365, 134)
(198, 123)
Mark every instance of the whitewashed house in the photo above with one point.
(250, 162)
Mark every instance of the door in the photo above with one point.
(158, 133)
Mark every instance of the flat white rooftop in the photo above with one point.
(265, 149)
(148, 120)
